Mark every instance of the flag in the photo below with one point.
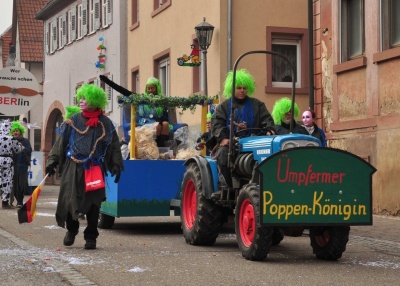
(28, 211)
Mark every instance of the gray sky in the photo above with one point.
(5, 15)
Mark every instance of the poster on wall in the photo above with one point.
(35, 173)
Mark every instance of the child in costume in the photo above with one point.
(282, 115)
(22, 162)
(248, 112)
(8, 147)
(87, 138)
(205, 136)
(312, 128)
(146, 114)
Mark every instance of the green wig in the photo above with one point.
(16, 125)
(71, 110)
(156, 82)
(244, 78)
(281, 107)
(209, 115)
(94, 96)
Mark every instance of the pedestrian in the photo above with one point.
(88, 140)
(8, 147)
(146, 114)
(22, 162)
(282, 115)
(248, 112)
(312, 128)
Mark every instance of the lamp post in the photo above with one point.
(204, 33)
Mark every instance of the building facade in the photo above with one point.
(356, 56)
(82, 40)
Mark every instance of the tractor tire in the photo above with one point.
(105, 221)
(329, 242)
(254, 240)
(201, 219)
(277, 236)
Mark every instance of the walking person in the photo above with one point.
(8, 147)
(22, 162)
(87, 141)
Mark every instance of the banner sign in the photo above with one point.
(315, 186)
(19, 91)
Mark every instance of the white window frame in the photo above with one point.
(106, 13)
(53, 36)
(71, 25)
(60, 32)
(79, 25)
(164, 75)
(298, 67)
(91, 16)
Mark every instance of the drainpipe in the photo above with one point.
(229, 50)
(310, 55)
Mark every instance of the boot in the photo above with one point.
(6, 205)
(90, 243)
(69, 238)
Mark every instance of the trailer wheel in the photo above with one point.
(201, 219)
(329, 242)
(105, 221)
(253, 239)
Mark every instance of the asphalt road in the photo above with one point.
(152, 251)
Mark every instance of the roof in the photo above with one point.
(5, 40)
(51, 8)
(30, 30)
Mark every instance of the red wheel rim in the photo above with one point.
(189, 204)
(247, 222)
(323, 239)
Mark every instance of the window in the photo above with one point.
(84, 18)
(106, 8)
(135, 13)
(352, 29)
(37, 138)
(160, 5)
(79, 21)
(291, 43)
(71, 25)
(390, 24)
(135, 81)
(91, 16)
(94, 15)
(53, 36)
(281, 70)
(163, 75)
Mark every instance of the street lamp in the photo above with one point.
(204, 33)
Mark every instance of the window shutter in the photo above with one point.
(73, 23)
(109, 12)
(96, 14)
(84, 18)
(64, 29)
(54, 34)
(46, 37)
(109, 93)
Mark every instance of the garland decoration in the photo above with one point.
(167, 101)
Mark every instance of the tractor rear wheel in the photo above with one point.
(105, 221)
(201, 219)
(329, 242)
(254, 240)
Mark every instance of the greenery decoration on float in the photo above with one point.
(167, 101)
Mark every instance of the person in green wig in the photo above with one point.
(282, 115)
(146, 114)
(88, 139)
(248, 112)
(22, 162)
(202, 140)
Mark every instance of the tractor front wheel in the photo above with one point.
(254, 240)
(329, 242)
(201, 219)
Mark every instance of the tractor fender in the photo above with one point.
(209, 176)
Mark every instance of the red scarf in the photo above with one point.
(93, 117)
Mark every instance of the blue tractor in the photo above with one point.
(206, 203)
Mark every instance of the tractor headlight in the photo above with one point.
(289, 144)
(298, 143)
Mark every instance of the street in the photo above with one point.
(152, 251)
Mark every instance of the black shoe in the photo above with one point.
(69, 238)
(5, 205)
(90, 243)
